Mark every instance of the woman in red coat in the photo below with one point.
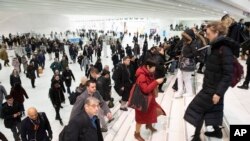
(148, 84)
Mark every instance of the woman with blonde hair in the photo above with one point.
(209, 102)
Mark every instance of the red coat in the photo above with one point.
(147, 85)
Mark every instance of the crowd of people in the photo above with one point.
(142, 65)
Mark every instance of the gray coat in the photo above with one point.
(2, 93)
(78, 106)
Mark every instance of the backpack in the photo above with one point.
(238, 71)
(72, 97)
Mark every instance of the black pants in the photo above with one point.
(6, 62)
(57, 108)
(32, 82)
(247, 79)
(160, 86)
(199, 126)
(68, 90)
(16, 131)
(2, 137)
(126, 92)
(86, 70)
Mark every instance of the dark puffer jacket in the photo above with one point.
(217, 79)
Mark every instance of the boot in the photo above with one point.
(217, 133)
(243, 87)
(150, 127)
(138, 137)
(196, 137)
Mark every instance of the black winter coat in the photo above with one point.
(31, 72)
(234, 32)
(80, 128)
(15, 80)
(67, 76)
(217, 79)
(43, 133)
(122, 80)
(8, 112)
(56, 93)
(103, 87)
(160, 69)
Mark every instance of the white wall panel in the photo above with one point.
(40, 23)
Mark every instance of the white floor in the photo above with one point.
(170, 128)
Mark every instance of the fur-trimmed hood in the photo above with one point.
(225, 41)
(188, 34)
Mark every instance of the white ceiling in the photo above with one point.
(120, 8)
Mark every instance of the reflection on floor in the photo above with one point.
(170, 128)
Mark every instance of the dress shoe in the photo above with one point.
(160, 91)
(61, 122)
(150, 127)
(124, 109)
(104, 130)
(200, 72)
(196, 137)
(243, 87)
(138, 137)
(111, 120)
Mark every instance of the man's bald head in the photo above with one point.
(32, 113)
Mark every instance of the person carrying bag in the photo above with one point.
(142, 98)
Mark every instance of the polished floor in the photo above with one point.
(170, 128)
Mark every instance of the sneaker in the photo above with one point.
(216, 133)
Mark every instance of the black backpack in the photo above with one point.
(72, 97)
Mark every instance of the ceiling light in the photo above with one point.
(193, 8)
(180, 5)
(225, 12)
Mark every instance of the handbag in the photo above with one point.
(138, 100)
(187, 64)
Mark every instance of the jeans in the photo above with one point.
(173, 66)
